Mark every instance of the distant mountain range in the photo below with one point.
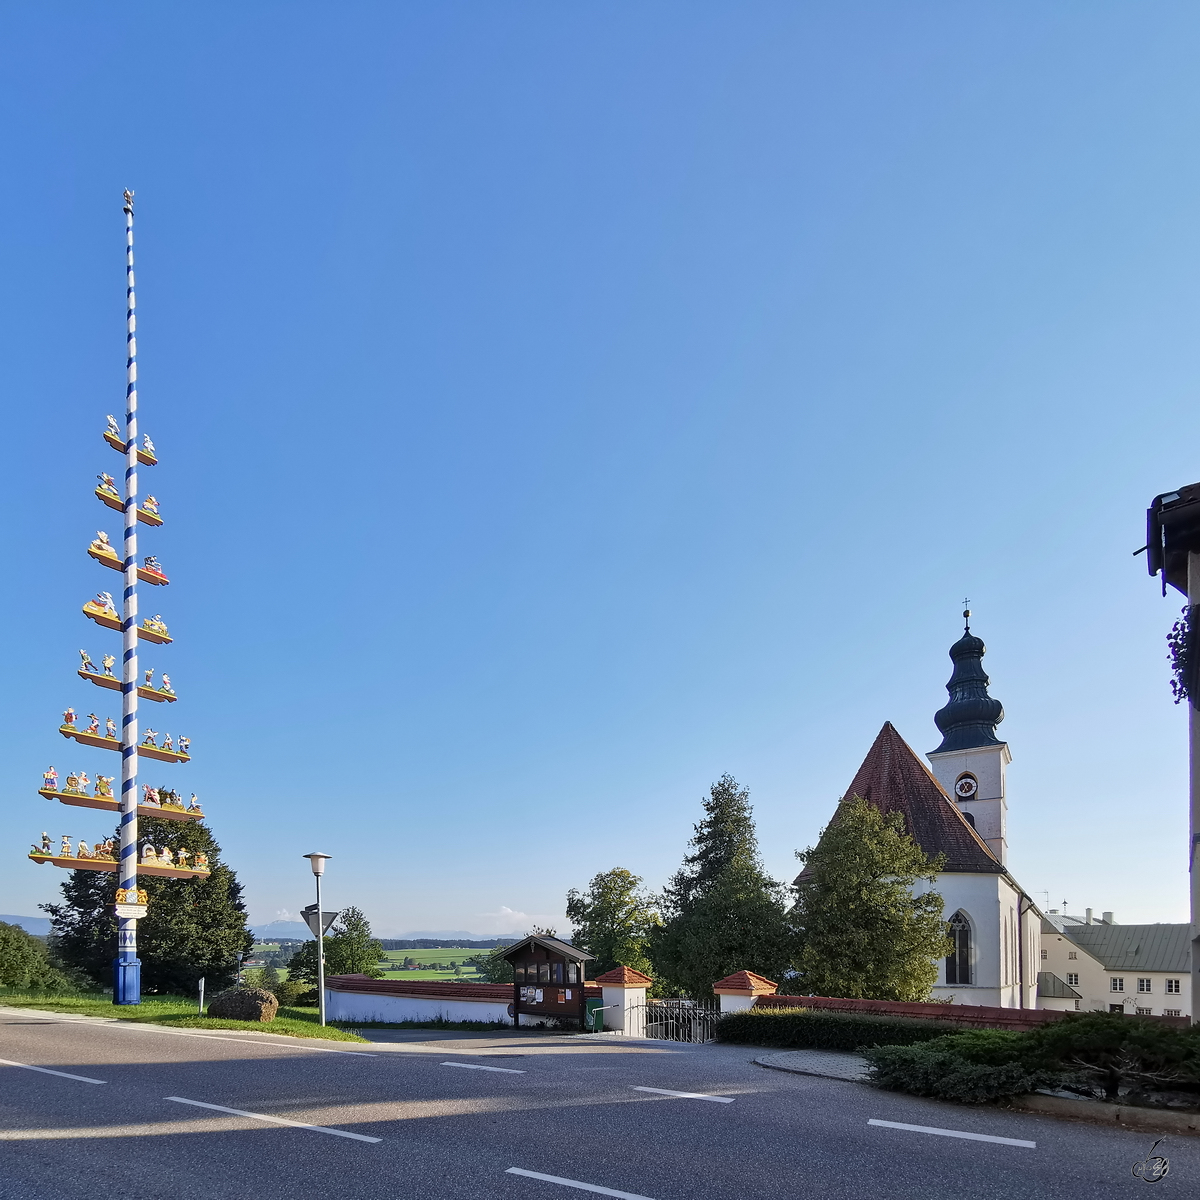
(288, 931)
(297, 930)
(39, 926)
(293, 930)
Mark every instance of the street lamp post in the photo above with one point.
(317, 862)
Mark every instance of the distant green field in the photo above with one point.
(438, 963)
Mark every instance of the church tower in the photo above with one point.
(970, 763)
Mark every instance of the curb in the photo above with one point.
(1153, 1120)
(775, 1066)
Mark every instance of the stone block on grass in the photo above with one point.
(244, 1004)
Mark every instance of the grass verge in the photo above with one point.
(179, 1012)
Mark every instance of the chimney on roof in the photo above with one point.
(1087, 920)
(1107, 918)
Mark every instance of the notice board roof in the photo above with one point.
(553, 945)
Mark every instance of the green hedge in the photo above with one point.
(818, 1029)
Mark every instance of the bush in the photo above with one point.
(1114, 1052)
(939, 1069)
(816, 1029)
(1105, 1053)
(292, 992)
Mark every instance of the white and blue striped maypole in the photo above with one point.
(127, 979)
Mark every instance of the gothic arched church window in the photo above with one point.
(958, 961)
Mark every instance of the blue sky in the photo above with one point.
(559, 406)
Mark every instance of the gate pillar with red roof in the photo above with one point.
(624, 991)
(741, 989)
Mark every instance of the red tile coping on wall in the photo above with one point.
(624, 977)
(979, 1016)
(431, 989)
(745, 981)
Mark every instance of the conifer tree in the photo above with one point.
(721, 911)
(193, 927)
(863, 933)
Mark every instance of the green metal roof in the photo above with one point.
(1134, 947)
(1050, 987)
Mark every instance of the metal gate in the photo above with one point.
(673, 1020)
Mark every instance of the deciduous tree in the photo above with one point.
(613, 920)
(865, 929)
(349, 950)
(25, 963)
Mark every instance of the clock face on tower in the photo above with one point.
(966, 787)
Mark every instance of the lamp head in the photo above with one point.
(317, 862)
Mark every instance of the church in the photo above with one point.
(956, 807)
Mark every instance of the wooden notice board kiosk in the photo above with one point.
(548, 980)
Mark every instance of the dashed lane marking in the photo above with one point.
(481, 1067)
(686, 1095)
(238, 1112)
(46, 1071)
(574, 1183)
(955, 1133)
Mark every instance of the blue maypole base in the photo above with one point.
(127, 981)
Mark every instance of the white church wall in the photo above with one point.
(1000, 938)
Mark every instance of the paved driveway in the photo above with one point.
(138, 1112)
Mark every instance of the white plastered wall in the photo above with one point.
(1003, 940)
(363, 1006)
(1095, 983)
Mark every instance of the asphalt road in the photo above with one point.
(159, 1125)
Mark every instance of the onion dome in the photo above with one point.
(971, 716)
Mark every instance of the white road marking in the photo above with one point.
(574, 1183)
(955, 1133)
(481, 1067)
(47, 1071)
(238, 1112)
(686, 1095)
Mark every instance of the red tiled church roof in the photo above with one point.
(894, 779)
(623, 977)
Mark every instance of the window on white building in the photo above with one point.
(1172, 1012)
(1172, 987)
(1076, 1005)
(1072, 954)
(958, 961)
(1144, 985)
(1144, 1012)
(1072, 979)
(1045, 954)
(1116, 983)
